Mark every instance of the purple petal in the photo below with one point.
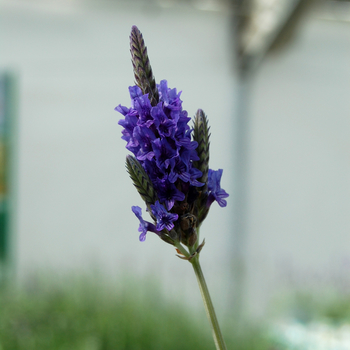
(164, 218)
(144, 226)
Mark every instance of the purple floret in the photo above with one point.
(144, 137)
(145, 226)
(168, 194)
(165, 126)
(165, 220)
(215, 191)
(165, 155)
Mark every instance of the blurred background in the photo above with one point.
(273, 76)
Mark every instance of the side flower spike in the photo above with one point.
(141, 180)
(201, 135)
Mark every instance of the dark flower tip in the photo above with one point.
(142, 67)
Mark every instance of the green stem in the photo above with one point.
(183, 251)
(209, 307)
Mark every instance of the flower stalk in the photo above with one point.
(208, 304)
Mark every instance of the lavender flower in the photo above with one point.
(169, 168)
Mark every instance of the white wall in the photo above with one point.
(299, 222)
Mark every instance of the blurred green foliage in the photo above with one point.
(328, 305)
(331, 307)
(90, 315)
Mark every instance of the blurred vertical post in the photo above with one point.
(8, 100)
(241, 12)
(259, 27)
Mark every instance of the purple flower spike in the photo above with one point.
(170, 166)
(164, 218)
(145, 226)
(215, 191)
